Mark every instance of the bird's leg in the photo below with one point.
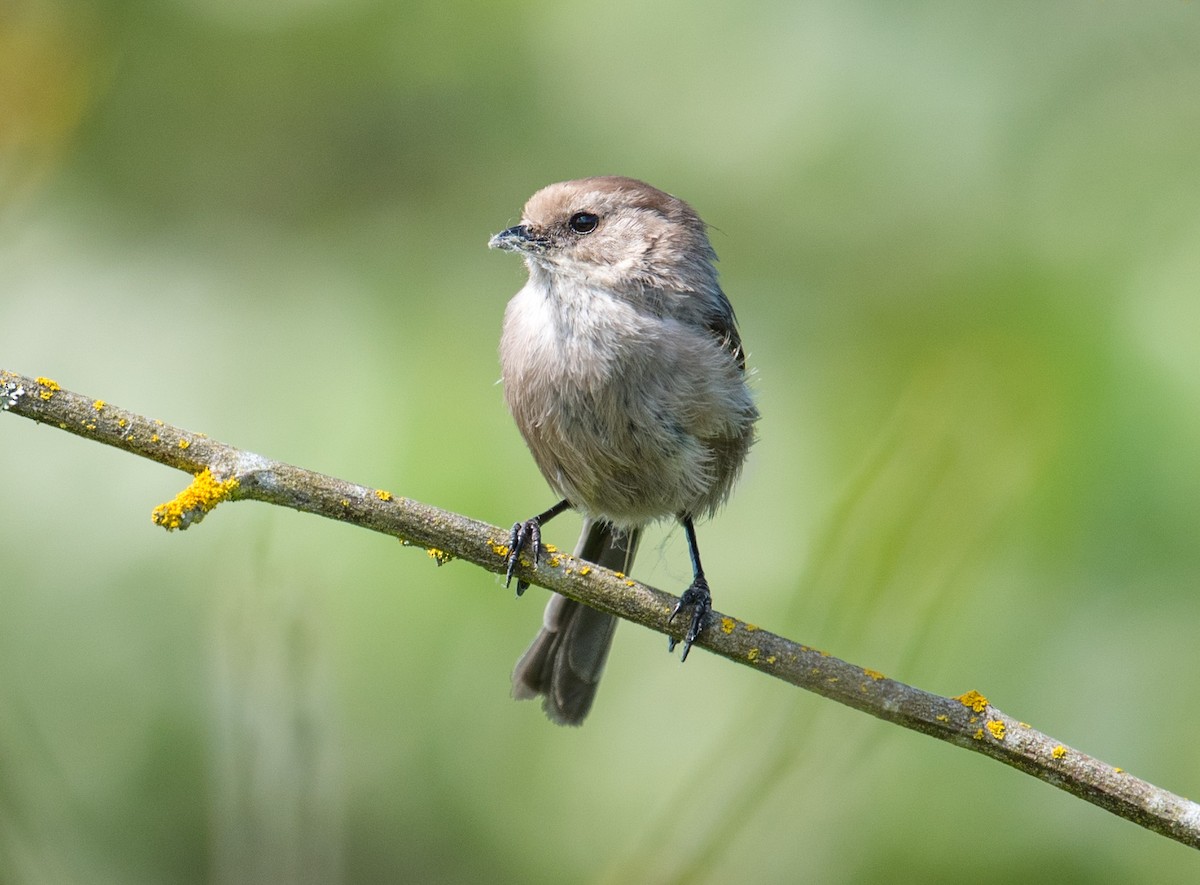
(696, 595)
(529, 531)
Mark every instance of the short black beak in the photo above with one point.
(517, 239)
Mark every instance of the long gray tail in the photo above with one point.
(565, 661)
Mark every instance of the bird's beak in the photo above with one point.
(517, 239)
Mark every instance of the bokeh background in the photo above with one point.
(963, 240)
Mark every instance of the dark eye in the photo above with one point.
(583, 222)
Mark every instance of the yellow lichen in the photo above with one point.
(441, 557)
(973, 700)
(978, 735)
(997, 728)
(121, 422)
(184, 443)
(619, 574)
(1059, 752)
(154, 437)
(752, 655)
(874, 674)
(382, 495)
(942, 717)
(49, 388)
(585, 571)
(771, 659)
(750, 628)
(202, 495)
(99, 405)
(727, 625)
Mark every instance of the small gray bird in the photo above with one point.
(624, 371)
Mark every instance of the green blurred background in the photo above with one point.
(963, 240)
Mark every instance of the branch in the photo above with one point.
(222, 472)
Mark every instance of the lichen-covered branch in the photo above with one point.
(221, 472)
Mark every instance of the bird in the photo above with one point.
(624, 371)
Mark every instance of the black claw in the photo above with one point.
(529, 531)
(700, 599)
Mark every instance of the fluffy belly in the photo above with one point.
(630, 417)
(627, 468)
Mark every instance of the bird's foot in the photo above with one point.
(527, 532)
(700, 599)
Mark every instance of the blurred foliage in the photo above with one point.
(962, 242)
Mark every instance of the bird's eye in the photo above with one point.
(583, 222)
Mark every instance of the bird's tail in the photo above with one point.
(564, 663)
